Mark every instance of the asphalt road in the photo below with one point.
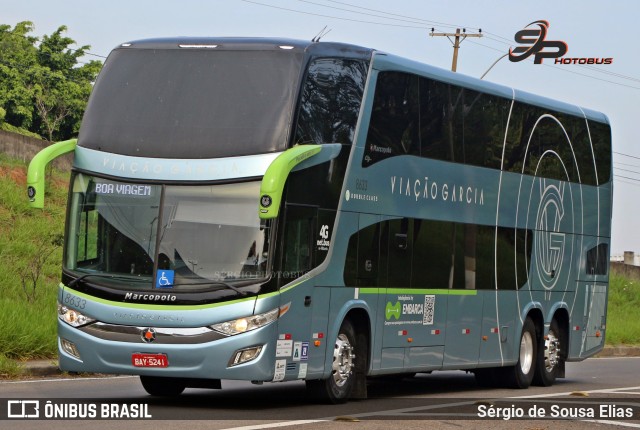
(442, 400)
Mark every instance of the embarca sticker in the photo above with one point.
(533, 41)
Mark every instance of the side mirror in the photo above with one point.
(36, 172)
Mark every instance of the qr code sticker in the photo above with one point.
(429, 309)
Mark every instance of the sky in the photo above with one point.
(590, 28)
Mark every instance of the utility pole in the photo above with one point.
(456, 42)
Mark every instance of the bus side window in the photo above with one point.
(432, 254)
(297, 256)
(330, 101)
(400, 252)
(395, 123)
(87, 233)
(366, 262)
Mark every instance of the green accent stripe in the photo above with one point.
(418, 291)
(288, 287)
(153, 307)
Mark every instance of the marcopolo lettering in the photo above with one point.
(151, 297)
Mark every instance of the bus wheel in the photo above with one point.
(337, 387)
(548, 361)
(521, 375)
(162, 387)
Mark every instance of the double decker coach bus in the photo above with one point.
(275, 210)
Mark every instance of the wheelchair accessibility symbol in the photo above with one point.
(164, 279)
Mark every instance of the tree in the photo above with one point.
(44, 89)
(62, 88)
(17, 60)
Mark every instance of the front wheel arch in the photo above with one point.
(360, 325)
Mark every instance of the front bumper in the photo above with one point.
(209, 360)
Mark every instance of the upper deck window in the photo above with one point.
(192, 103)
(330, 101)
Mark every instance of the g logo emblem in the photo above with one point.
(549, 208)
(549, 242)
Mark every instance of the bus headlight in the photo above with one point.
(73, 317)
(245, 324)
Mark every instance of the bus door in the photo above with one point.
(305, 243)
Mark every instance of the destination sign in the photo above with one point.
(123, 189)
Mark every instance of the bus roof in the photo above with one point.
(253, 43)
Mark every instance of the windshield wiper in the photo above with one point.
(224, 284)
(102, 275)
(126, 278)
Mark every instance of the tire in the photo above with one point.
(162, 387)
(337, 387)
(521, 375)
(548, 362)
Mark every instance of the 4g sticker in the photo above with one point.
(323, 243)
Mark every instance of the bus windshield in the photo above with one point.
(192, 103)
(180, 237)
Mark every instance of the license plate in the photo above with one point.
(149, 360)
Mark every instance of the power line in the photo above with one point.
(627, 164)
(333, 17)
(428, 22)
(404, 19)
(626, 177)
(618, 169)
(626, 182)
(626, 155)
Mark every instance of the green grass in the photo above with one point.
(623, 324)
(28, 316)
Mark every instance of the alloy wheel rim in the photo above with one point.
(551, 351)
(526, 352)
(343, 360)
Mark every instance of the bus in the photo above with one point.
(274, 210)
